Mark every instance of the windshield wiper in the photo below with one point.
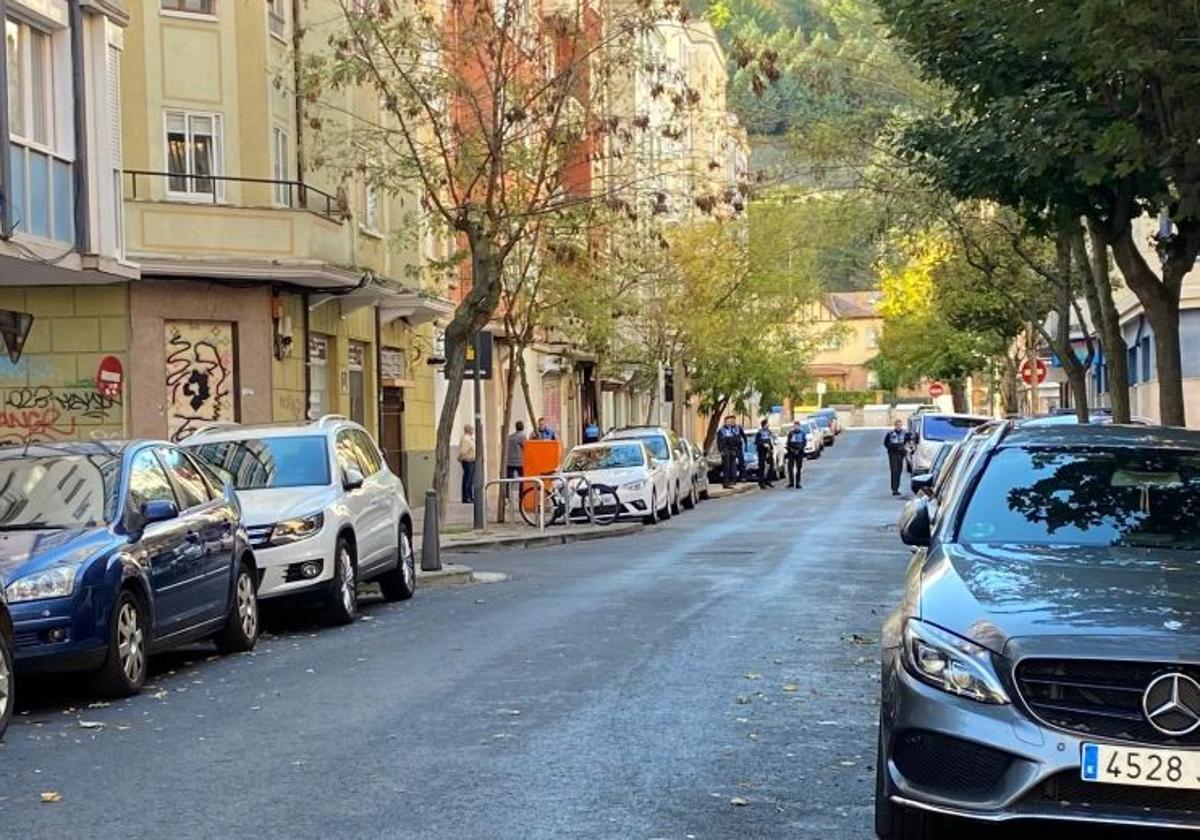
(30, 526)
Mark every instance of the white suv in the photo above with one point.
(668, 449)
(323, 511)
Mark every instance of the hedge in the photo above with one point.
(855, 398)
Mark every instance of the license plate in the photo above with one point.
(1141, 766)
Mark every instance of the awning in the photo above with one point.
(415, 308)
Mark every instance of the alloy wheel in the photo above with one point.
(346, 566)
(5, 686)
(130, 643)
(407, 560)
(247, 605)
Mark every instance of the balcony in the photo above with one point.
(226, 226)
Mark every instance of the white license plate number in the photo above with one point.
(1141, 766)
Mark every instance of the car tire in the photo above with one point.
(895, 822)
(704, 494)
(691, 499)
(241, 626)
(124, 670)
(400, 583)
(6, 687)
(677, 507)
(341, 600)
(651, 518)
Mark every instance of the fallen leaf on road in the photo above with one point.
(91, 724)
(752, 676)
(846, 763)
(857, 639)
(791, 687)
(49, 796)
(738, 802)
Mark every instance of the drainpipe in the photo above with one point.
(298, 101)
(378, 375)
(304, 353)
(79, 95)
(5, 145)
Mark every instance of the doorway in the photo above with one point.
(391, 438)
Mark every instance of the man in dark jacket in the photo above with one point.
(764, 445)
(729, 444)
(896, 443)
(797, 442)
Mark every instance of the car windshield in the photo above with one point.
(615, 457)
(66, 491)
(936, 427)
(658, 446)
(1137, 497)
(264, 463)
(821, 421)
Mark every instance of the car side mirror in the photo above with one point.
(352, 479)
(914, 523)
(922, 483)
(158, 510)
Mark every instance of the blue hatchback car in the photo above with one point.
(113, 551)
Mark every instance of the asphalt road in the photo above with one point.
(635, 687)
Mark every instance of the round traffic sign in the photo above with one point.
(936, 389)
(1033, 371)
(109, 377)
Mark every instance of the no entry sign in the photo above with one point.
(109, 376)
(936, 389)
(1033, 372)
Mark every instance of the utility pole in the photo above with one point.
(479, 512)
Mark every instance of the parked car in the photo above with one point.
(1098, 417)
(7, 679)
(699, 469)
(934, 429)
(822, 422)
(323, 511)
(814, 439)
(112, 552)
(923, 483)
(639, 479)
(834, 422)
(666, 447)
(1042, 663)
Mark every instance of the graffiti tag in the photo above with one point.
(83, 402)
(199, 375)
(34, 425)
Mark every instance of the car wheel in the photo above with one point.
(704, 494)
(677, 508)
(690, 500)
(6, 687)
(400, 583)
(895, 822)
(651, 518)
(341, 601)
(124, 669)
(241, 627)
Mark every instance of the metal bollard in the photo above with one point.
(431, 544)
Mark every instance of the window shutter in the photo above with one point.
(114, 103)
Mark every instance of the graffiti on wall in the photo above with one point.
(42, 414)
(200, 378)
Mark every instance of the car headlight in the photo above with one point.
(951, 663)
(634, 486)
(294, 530)
(57, 581)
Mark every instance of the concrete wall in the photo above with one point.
(52, 392)
(153, 304)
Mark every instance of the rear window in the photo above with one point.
(605, 458)
(934, 427)
(1147, 498)
(265, 463)
(658, 446)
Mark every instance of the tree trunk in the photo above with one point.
(958, 395)
(1098, 286)
(472, 314)
(714, 420)
(510, 381)
(523, 378)
(1010, 395)
(1160, 300)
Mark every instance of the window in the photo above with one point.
(318, 376)
(191, 7)
(193, 154)
(72, 491)
(356, 380)
(147, 481)
(189, 483)
(368, 453)
(347, 452)
(279, 147)
(942, 428)
(872, 338)
(370, 220)
(270, 462)
(276, 17)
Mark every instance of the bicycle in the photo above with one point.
(598, 503)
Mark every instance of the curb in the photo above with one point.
(550, 538)
(451, 574)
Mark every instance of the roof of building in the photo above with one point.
(849, 305)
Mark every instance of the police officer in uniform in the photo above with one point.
(797, 442)
(729, 444)
(764, 443)
(896, 443)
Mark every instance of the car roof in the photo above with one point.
(634, 432)
(1088, 434)
(607, 444)
(237, 431)
(115, 448)
(954, 415)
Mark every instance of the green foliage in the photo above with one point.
(855, 398)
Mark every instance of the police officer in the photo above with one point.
(741, 453)
(896, 443)
(729, 444)
(797, 442)
(764, 443)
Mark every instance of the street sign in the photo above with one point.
(822, 388)
(936, 389)
(109, 377)
(484, 365)
(1033, 372)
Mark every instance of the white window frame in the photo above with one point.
(371, 208)
(25, 80)
(218, 167)
(277, 19)
(282, 193)
(185, 13)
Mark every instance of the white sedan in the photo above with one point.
(634, 474)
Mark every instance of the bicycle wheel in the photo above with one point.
(604, 504)
(528, 505)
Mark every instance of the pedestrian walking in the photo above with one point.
(466, 458)
(896, 443)
(797, 442)
(764, 445)
(729, 444)
(544, 432)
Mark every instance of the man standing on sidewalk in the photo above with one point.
(797, 442)
(729, 444)
(764, 445)
(896, 443)
(466, 457)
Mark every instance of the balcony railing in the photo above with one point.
(293, 195)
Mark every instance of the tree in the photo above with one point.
(491, 113)
(1068, 130)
